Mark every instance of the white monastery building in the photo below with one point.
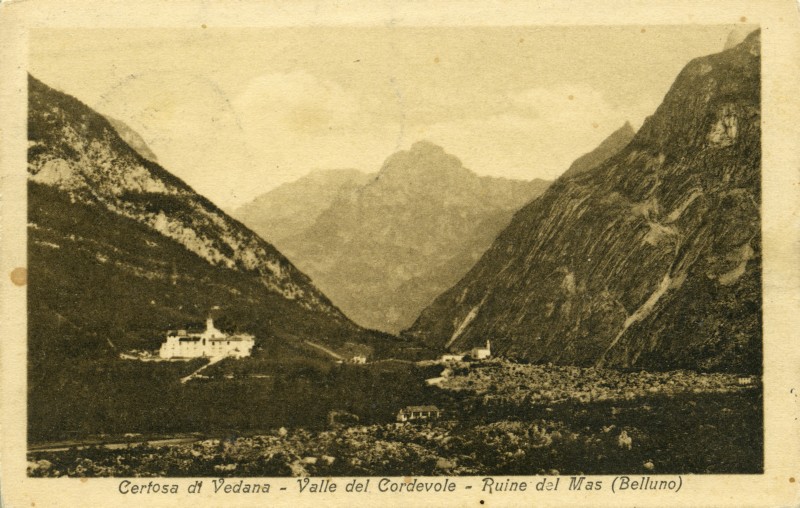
(211, 343)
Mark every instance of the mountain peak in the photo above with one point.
(384, 250)
(425, 146)
(626, 131)
(737, 36)
(421, 163)
(676, 122)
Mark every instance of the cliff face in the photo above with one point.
(384, 250)
(652, 259)
(120, 249)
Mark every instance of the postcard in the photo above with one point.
(407, 254)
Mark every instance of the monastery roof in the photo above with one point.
(409, 409)
(198, 337)
(241, 336)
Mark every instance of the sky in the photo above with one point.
(237, 112)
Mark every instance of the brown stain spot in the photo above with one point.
(521, 40)
(570, 97)
(595, 125)
(743, 19)
(791, 479)
(84, 480)
(203, 25)
(406, 479)
(643, 30)
(19, 276)
(436, 60)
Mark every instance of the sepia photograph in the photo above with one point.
(469, 254)
(394, 251)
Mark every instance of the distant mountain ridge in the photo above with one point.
(651, 260)
(388, 243)
(132, 138)
(294, 206)
(609, 147)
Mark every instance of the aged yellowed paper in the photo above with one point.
(453, 254)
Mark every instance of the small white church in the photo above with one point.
(481, 353)
(211, 343)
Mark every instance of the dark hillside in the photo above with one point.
(651, 260)
(120, 251)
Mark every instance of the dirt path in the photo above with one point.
(324, 349)
(211, 361)
(112, 446)
(392, 360)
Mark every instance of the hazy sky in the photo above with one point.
(237, 112)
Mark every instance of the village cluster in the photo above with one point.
(509, 382)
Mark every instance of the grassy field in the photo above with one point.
(112, 397)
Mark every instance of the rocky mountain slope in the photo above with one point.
(384, 250)
(120, 250)
(651, 260)
(295, 206)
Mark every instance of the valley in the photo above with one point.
(499, 417)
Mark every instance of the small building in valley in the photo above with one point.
(211, 343)
(416, 413)
(480, 353)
